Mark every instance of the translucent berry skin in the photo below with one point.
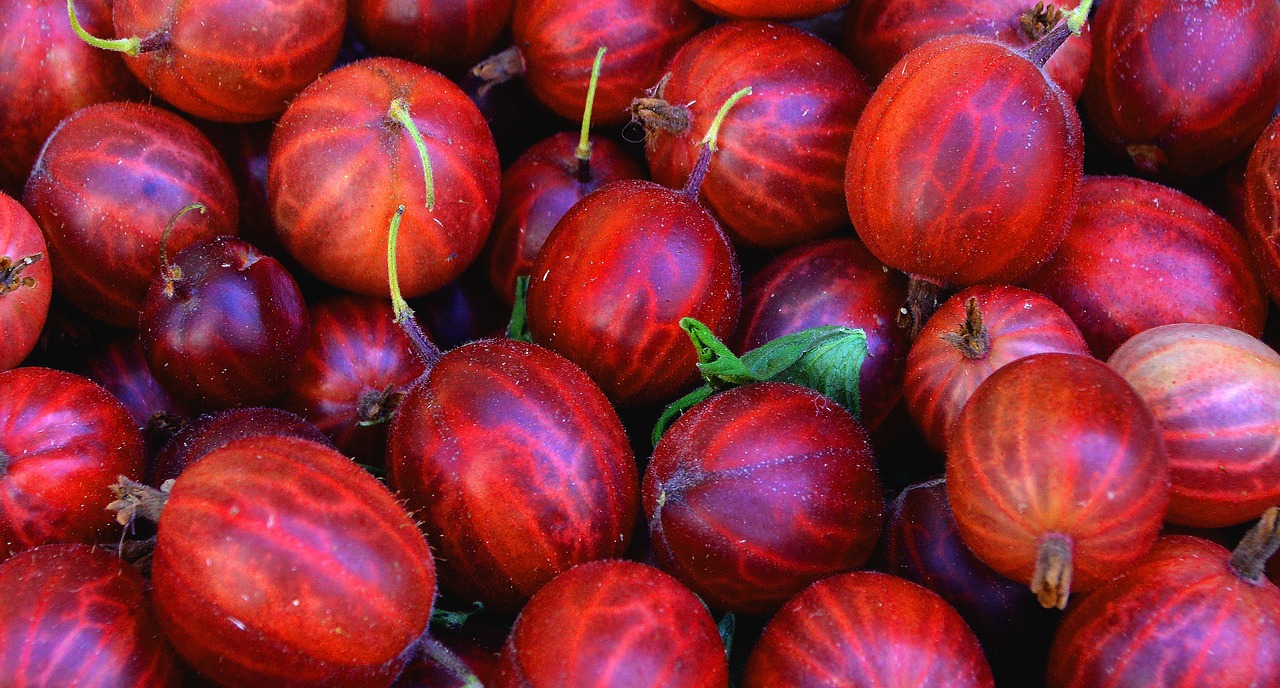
(834, 282)
(216, 64)
(965, 165)
(50, 73)
(334, 221)
(357, 366)
(229, 330)
(1262, 207)
(214, 430)
(1180, 88)
(879, 33)
(867, 629)
(765, 9)
(558, 41)
(446, 35)
(758, 492)
(107, 182)
(321, 577)
(777, 178)
(75, 615)
(615, 277)
(1058, 443)
(65, 441)
(1180, 617)
(1216, 393)
(941, 377)
(26, 283)
(613, 623)
(1140, 255)
(537, 190)
(517, 468)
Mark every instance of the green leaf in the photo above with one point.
(518, 328)
(831, 364)
(718, 364)
(728, 623)
(677, 408)
(826, 359)
(455, 620)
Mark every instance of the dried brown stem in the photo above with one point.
(134, 499)
(1249, 560)
(972, 338)
(922, 300)
(1051, 582)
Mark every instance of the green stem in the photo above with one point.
(583, 153)
(131, 46)
(173, 273)
(403, 313)
(399, 112)
(709, 144)
(1077, 17)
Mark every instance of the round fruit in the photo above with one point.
(279, 562)
(1216, 394)
(108, 180)
(65, 440)
(214, 430)
(615, 277)
(1191, 613)
(867, 629)
(448, 35)
(1057, 474)
(1262, 207)
(1180, 88)
(26, 284)
(341, 163)
(759, 491)
(74, 615)
(970, 336)
(613, 623)
(517, 468)
(1140, 255)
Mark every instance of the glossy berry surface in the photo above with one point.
(321, 576)
(558, 43)
(614, 279)
(1180, 88)
(1182, 616)
(763, 9)
(215, 430)
(1058, 445)
(1262, 207)
(447, 35)
(879, 33)
(867, 629)
(1140, 255)
(777, 178)
(1216, 394)
(516, 466)
(965, 165)
(74, 615)
(613, 623)
(758, 492)
(107, 182)
(65, 440)
(26, 283)
(227, 329)
(537, 190)
(50, 73)
(339, 124)
(357, 366)
(834, 282)
(961, 345)
(213, 62)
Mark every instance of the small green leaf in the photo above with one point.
(518, 328)
(677, 409)
(455, 620)
(726, 627)
(826, 359)
(718, 364)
